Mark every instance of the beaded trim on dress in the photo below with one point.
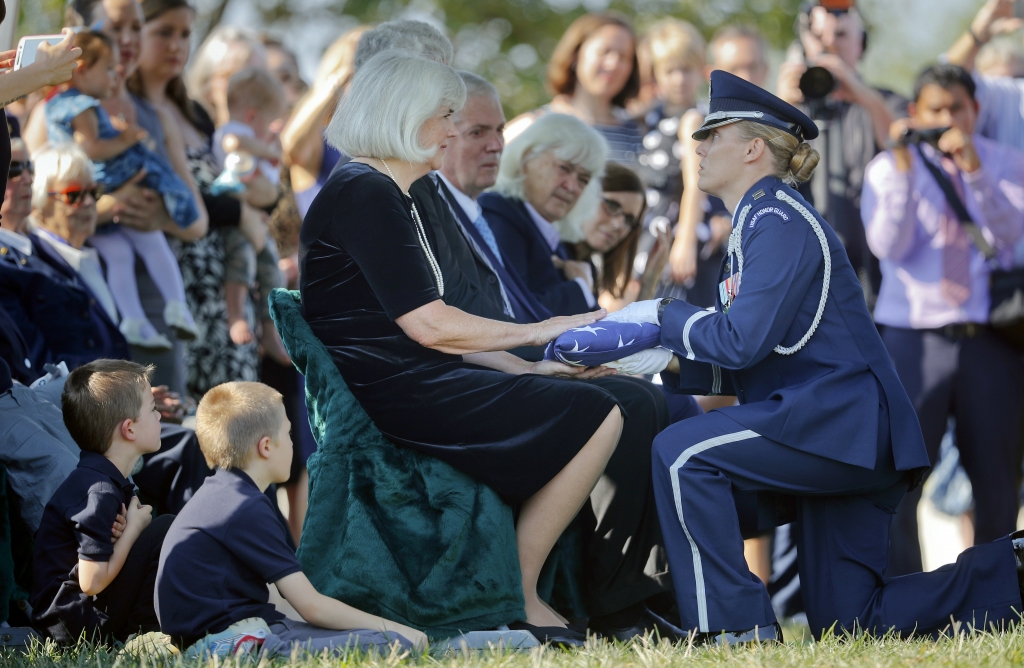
(422, 234)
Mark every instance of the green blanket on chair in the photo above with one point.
(389, 530)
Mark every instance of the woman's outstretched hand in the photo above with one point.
(550, 329)
(559, 370)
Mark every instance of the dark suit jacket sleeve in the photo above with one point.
(523, 252)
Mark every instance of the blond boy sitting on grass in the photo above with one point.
(229, 542)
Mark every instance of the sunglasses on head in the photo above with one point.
(19, 166)
(75, 195)
(615, 210)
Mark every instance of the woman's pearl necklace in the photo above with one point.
(422, 234)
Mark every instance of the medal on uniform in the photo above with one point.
(727, 291)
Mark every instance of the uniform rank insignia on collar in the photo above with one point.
(758, 195)
(768, 211)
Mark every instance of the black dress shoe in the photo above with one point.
(1017, 540)
(558, 636)
(761, 634)
(648, 622)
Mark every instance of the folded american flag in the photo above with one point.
(603, 342)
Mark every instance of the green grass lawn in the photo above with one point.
(967, 650)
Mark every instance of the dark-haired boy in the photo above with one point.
(86, 581)
(934, 298)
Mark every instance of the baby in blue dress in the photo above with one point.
(75, 115)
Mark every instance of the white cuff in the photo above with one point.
(686, 331)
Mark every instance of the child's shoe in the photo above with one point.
(243, 637)
(152, 646)
(179, 318)
(142, 333)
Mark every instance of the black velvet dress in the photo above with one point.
(362, 267)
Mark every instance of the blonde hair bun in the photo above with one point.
(803, 162)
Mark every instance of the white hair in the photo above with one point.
(569, 139)
(417, 37)
(391, 98)
(61, 163)
(477, 85)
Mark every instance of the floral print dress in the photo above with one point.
(212, 358)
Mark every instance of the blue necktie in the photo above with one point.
(485, 231)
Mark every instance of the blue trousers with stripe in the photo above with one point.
(705, 466)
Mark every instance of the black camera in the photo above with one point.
(928, 136)
(816, 83)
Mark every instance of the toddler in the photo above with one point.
(255, 100)
(75, 115)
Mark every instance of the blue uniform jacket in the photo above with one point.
(526, 251)
(825, 398)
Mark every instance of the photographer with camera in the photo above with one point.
(820, 76)
(941, 209)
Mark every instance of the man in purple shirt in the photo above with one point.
(934, 299)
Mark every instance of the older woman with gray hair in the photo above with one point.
(549, 182)
(431, 376)
(64, 195)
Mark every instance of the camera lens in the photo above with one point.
(816, 83)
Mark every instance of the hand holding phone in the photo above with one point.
(54, 55)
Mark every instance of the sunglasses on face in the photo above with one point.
(615, 210)
(75, 195)
(19, 166)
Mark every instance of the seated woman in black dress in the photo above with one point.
(429, 375)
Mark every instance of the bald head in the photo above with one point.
(739, 50)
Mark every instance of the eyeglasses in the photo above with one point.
(615, 210)
(75, 195)
(19, 166)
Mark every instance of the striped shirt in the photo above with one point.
(625, 142)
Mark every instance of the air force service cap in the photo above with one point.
(734, 99)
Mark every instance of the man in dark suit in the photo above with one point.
(623, 569)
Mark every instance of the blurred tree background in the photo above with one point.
(509, 41)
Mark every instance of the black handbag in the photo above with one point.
(1006, 286)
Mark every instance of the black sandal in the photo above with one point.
(560, 636)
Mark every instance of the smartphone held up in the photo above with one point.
(28, 47)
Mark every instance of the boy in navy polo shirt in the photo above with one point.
(84, 581)
(227, 545)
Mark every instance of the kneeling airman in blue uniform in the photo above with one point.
(824, 433)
